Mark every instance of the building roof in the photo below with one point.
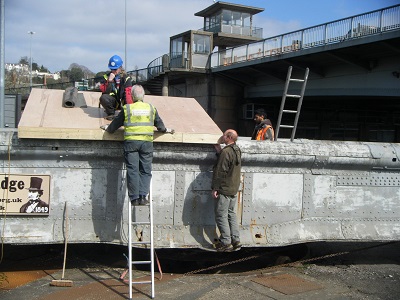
(213, 9)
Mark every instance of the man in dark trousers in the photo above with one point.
(263, 129)
(35, 204)
(138, 119)
(225, 185)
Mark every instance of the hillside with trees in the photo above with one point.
(17, 76)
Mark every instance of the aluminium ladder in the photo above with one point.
(300, 101)
(150, 243)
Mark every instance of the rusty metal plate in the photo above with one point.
(287, 284)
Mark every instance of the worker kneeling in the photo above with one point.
(138, 119)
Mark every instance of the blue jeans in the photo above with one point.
(138, 158)
(226, 219)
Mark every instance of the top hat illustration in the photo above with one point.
(36, 184)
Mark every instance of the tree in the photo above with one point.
(43, 69)
(76, 74)
(51, 81)
(24, 60)
(65, 75)
(86, 72)
(35, 66)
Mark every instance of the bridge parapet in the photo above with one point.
(359, 26)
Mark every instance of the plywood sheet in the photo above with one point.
(44, 117)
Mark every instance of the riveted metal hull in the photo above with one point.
(291, 192)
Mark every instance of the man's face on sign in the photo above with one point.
(33, 195)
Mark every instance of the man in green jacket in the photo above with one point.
(225, 185)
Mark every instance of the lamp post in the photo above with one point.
(126, 60)
(30, 57)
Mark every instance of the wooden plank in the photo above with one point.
(44, 117)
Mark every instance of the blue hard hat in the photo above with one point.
(115, 62)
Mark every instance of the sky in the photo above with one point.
(89, 32)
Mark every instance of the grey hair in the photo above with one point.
(137, 93)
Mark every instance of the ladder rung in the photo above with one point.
(140, 223)
(293, 96)
(287, 126)
(140, 242)
(297, 80)
(290, 111)
(141, 262)
(140, 282)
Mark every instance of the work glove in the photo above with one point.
(104, 127)
(169, 130)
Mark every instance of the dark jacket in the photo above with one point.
(120, 90)
(269, 135)
(226, 172)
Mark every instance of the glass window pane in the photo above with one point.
(176, 47)
(207, 23)
(226, 17)
(201, 43)
(246, 19)
(237, 19)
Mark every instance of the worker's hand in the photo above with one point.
(217, 148)
(111, 76)
(104, 127)
(221, 140)
(169, 130)
(215, 194)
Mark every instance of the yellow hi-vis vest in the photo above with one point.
(139, 121)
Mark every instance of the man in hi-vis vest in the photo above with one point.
(263, 131)
(138, 119)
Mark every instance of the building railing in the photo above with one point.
(154, 68)
(358, 26)
(235, 29)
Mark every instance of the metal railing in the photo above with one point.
(154, 68)
(358, 26)
(25, 90)
(233, 29)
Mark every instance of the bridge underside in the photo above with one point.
(353, 90)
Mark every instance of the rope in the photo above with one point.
(286, 264)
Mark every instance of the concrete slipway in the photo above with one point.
(371, 273)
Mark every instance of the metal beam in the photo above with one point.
(234, 78)
(351, 60)
(391, 46)
(269, 72)
(312, 67)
